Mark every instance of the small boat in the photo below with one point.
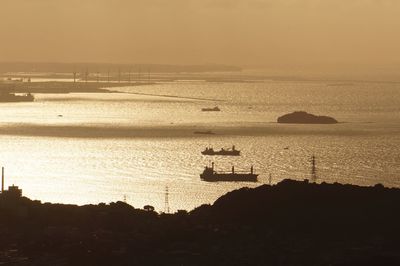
(210, 175)
(215, 109)
(223, 152)
(209, 132)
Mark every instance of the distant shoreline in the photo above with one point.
(64, 87)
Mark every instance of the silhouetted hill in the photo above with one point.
(301, 117)
(291, 223)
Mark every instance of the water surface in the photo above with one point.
(90, 148)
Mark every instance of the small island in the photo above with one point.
(301, 117)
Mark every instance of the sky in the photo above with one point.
(236, 32)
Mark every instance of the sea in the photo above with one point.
(140, 146)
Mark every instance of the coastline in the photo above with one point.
(64, 87)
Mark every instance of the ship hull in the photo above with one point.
(229, 177)
(226, 153)
(215, 109)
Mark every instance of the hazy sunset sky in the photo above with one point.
(240, 32)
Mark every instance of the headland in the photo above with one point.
(62, 87)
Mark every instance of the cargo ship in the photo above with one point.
(210, 175)
(223, 152)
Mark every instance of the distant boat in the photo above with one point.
(210, 175)
(6, 97)
(215, 109)
(209, 132)
(228, 152)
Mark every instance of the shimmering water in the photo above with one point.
(90, 148)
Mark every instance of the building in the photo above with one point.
(13, 191)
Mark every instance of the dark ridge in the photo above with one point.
(301, 117)
(291, 223)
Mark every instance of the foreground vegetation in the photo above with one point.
(291, 223)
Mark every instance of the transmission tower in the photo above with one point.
(313, 169)
(166, 203)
